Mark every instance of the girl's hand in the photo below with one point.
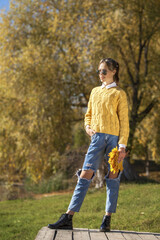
(122, 154)
(90, 131)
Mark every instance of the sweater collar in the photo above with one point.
(109, 85)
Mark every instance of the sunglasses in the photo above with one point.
(103, 71)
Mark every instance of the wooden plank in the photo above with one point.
(94, 230)
(63, 235)
(41, 234)
(93, 234)
(45, 233)
(81, 235)
(114, 235)
(131, 236)
(49, 234)
(146, 236)
(80, 229)
(98, 236)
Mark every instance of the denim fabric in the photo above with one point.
(112, 187)
(79, 193)
(101, 143)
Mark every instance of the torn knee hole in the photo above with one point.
(78, 173)
(88, 178)
(85, 175)
(110, 175)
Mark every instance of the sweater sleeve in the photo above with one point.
(87, 119)
(123, 118)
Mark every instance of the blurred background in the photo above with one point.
(49, 54)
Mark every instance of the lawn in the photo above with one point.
(138, 210)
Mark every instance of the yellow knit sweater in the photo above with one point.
(108, 112)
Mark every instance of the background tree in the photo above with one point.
(128, 31)
(146, 141)
(49, 51)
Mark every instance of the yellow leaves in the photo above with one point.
(30, 54)
(113, 161)
(46, 50)
(53, 24)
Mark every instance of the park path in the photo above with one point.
(93, 234)
(39, 196)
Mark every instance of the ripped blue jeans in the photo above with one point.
(101, 143)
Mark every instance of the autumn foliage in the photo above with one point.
(49, 52)
(113, 161)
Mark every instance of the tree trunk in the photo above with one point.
(132, 125)
(147, 161)
(128, 171)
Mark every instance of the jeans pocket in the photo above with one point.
(93, 136)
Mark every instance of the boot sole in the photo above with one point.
(104, 230)
(68, 228)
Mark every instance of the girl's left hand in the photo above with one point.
(122, 154)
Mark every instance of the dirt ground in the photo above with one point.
(152, 176)
(39, 196)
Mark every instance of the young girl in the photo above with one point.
(106, 121)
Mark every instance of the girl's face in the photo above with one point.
(105, 74)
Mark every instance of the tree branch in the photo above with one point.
(154, 30)
(142, 115)
(127, 65)
(132, 52)
(139, 100)
(79, 105)
(146, 59)
(140, 39)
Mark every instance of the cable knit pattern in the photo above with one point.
(108, 112)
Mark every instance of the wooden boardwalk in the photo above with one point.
(93, 234)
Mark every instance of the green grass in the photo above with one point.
(138, 210)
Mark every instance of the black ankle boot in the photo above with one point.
(64, 222)
(105, 226)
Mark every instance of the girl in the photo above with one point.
(106, 121)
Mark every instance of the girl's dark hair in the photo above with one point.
(112, 64)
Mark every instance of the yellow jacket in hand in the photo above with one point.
(108, 112)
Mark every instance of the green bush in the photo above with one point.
(55, 183)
